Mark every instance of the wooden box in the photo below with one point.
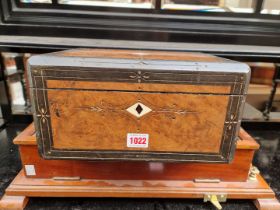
(36, 167)
(94, 104)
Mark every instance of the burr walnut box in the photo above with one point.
(95, 104)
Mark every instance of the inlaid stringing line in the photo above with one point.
(38, 108)
(227, 122)
(234, 84)
(42, 78)
(46, 110)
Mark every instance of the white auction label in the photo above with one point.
(30, 170)
(139, 140)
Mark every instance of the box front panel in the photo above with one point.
(97, 115)
(102, 120)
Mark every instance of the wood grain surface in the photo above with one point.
(27, 137)
(13, 202)
(119, 170)
(98, 120)
(235, 171)
(267, 204)
(170, 88)
(141, 55)
(34, 187)
(81, 99)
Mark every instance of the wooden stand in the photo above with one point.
(22, 188)
(13, 202)
(151, 182)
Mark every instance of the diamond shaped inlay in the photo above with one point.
(138, 110)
